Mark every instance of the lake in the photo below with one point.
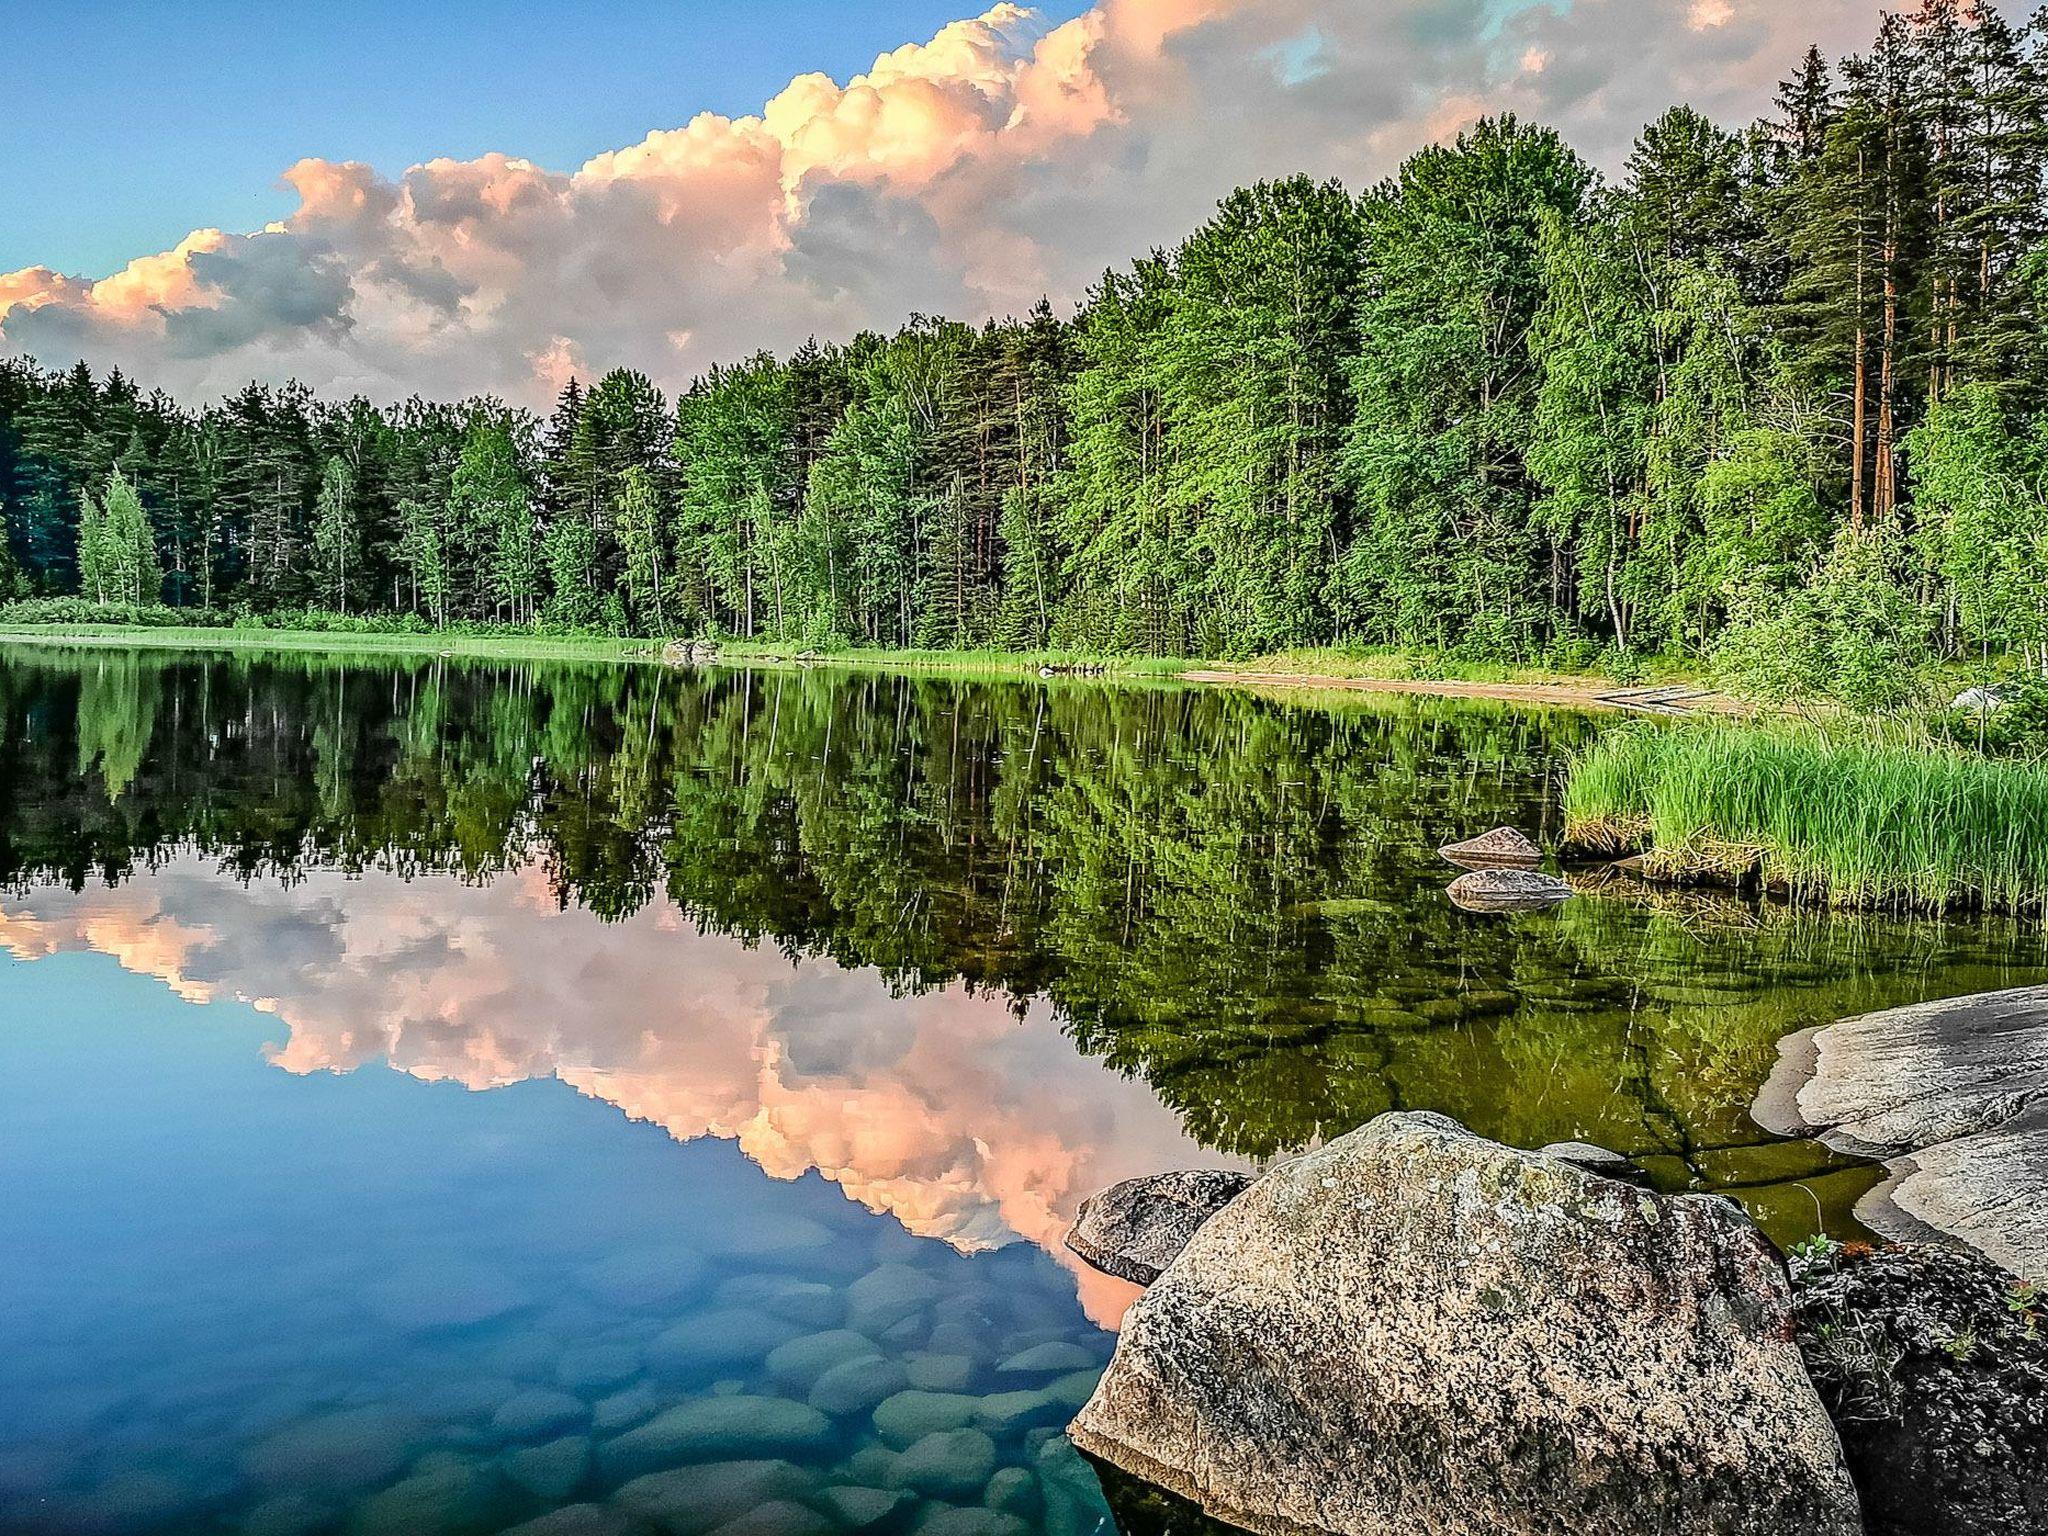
(591, 1099)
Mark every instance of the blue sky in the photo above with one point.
(129, 123)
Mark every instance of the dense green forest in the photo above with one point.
(1778, 393)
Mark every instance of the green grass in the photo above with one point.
(1849, 819)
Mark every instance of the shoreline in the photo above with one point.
(1554, 691)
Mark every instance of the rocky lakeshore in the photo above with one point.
(1413, 1328)
(1954, 1096)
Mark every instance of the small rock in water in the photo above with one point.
(701, 1497)
(718, 1339)
(581, 1520)
(1502, 848)
(1508, 890)
(801, 1361)
(431, 1296)
(910, 1416)
(886, 1296)
(654, 1279)
(1133, 1230)
(1583, 1154)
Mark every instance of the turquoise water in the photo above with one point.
(587, 1101)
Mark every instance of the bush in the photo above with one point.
(79, 610)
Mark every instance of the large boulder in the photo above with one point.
(1133, 1230)
(1412, 1329)
(1935, 1367)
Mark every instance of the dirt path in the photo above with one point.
(1674, 700)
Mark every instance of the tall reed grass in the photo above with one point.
(1853, 820)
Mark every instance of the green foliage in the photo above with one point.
(1850, 634)
(1776, 395)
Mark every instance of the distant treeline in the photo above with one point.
(1783, 388)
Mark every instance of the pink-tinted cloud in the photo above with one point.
(946, 1110)
(1000, 161)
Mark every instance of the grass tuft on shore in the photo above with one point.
(1845, 819)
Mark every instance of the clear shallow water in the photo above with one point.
(433, 1097)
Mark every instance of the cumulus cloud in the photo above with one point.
(1000, 161)
(946, 1110)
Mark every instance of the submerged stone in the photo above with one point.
(429, 1297)
(1133, 1230)
(1054, 1358)
(690, 1500)
(886, 1296)
(718, 1339)
(717, 1429)
(552, 1471)
(952, 1464)
(801, 1361)
(910, 1416)
(1412, 1329)
(860, 1509)
(538, 1414)
(648, 1279)
(582, 1520)
(857, 1386)
(355, 1449)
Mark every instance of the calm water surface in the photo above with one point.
(590, 1100)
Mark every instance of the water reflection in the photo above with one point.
(965, 1119)
(806, 977)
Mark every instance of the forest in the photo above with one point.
(1776, 394)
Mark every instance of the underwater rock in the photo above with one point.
(538, 1414)
(809, 1302)
(581, 1520)
(1133, 1230)
(778, 1518)
(653, 1280)
(953, 1464)
(717, 1429)
(720, 1338)
(1955, 1093)
(687, 1500)
(334, 1453)
(938, 1373)
(802, 1361)
(1508, 890)
(886, 1296)
(860, 1509)
(1053, 1358)
(1413, 1329)
(857, 1386)
(910, 1416)
(1014, 1491)
(622, 1410)
(1934, 1365)
(954, 1520)
(430, 1297)
(597, 1367)
(1005, 1413)
(447, 1495)
(794, 1241)
(1502, 848)
(552, 1471)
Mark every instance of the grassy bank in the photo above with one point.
(1852, 820)
(1333, 665)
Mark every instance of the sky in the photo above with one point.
(464, 198)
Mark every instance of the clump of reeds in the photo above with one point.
(1855, 819)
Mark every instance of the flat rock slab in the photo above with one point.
(1508, 890)
(1133, 1230)
(1416, 1330)
(1954, 1095)
(1502, 848)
